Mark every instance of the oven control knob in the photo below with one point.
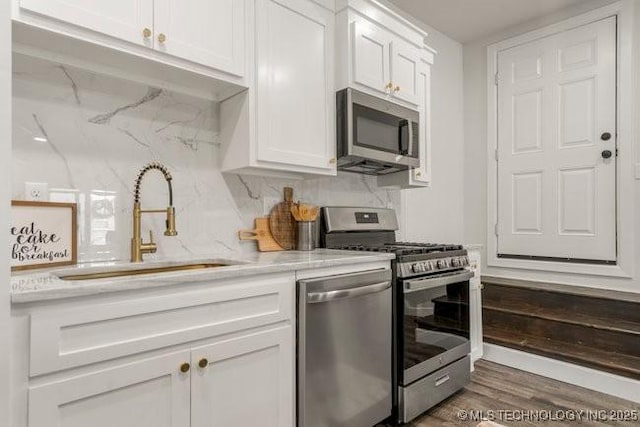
(416, 268)
(441, 264)
(455, 262)
(465, 261)
(427, 266)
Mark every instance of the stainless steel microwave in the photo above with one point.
(375, 136)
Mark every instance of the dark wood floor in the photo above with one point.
(497, 387)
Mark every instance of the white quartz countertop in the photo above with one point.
(46, 285)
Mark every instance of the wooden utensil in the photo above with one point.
(262, 234)
(282, 223)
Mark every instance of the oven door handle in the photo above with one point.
(316, 297)
(434, 282)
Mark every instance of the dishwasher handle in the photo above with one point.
(318, 297)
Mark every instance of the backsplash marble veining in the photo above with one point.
(88, 135)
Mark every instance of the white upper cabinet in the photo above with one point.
(123, 19)
(208, 32)
(371, 62)
(405, 67)
(379, 52)
(284, 125)
(206, 37)
(295, 90)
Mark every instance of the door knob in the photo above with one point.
(606, 154)
(605, 136)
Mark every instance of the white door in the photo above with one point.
(295, 94)
(556, 126)
(148, 393)
(246, 381)
(371, 62)
(405, 69)
(123, 19)
(208, 32)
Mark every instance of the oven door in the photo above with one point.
(381, 130)
(434, 323)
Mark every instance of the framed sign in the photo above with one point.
(43, 234)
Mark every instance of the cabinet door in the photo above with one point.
(422, 174)
(208, 32)
(295, 91)
(405, 67)
(248, 381)
(371, 56)
(148, 393)
(124, 19)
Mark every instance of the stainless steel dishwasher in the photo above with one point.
(344, 350)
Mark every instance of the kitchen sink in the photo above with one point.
(138, 270)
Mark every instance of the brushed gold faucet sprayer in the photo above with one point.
(138, 246)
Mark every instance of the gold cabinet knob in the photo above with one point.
(396, 89)
(146, 33)
(332, 160)
(162, 37)
(389, 86)
(184, 368)
(203, 363)
(418, 174)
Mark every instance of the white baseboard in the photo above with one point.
(604, 382)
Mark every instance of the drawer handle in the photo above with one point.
(184, 368)
(203, 363)
(443, 379)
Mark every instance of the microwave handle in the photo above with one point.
(410, 145)
(405, 145)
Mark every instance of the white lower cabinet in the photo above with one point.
(147, 393)
(208, 355)
(246, 381)
(243, 381)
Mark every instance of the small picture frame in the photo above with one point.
(42, 235)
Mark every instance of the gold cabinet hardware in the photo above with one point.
(418, 174)
(332, 160)
(203, 363)
(396, 89)
(389, 86)
(146, 33)
(184, 368)
(162, 37)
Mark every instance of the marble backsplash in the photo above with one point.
(87, 136)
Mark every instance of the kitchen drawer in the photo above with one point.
(98, 332)
(434, 388)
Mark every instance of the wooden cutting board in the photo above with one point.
(262, 235)
(281, 222)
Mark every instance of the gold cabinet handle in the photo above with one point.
(162, 37)
(332, 160)
(389, 86)
(396, 89)
(146, 33)
(418, 174)
(184, 368)
(203, 363)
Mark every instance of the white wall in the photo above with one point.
(475, 150)
(5, 191)
(436, 213)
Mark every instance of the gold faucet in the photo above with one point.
(138, 247)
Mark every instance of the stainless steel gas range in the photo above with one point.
(431, 344)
